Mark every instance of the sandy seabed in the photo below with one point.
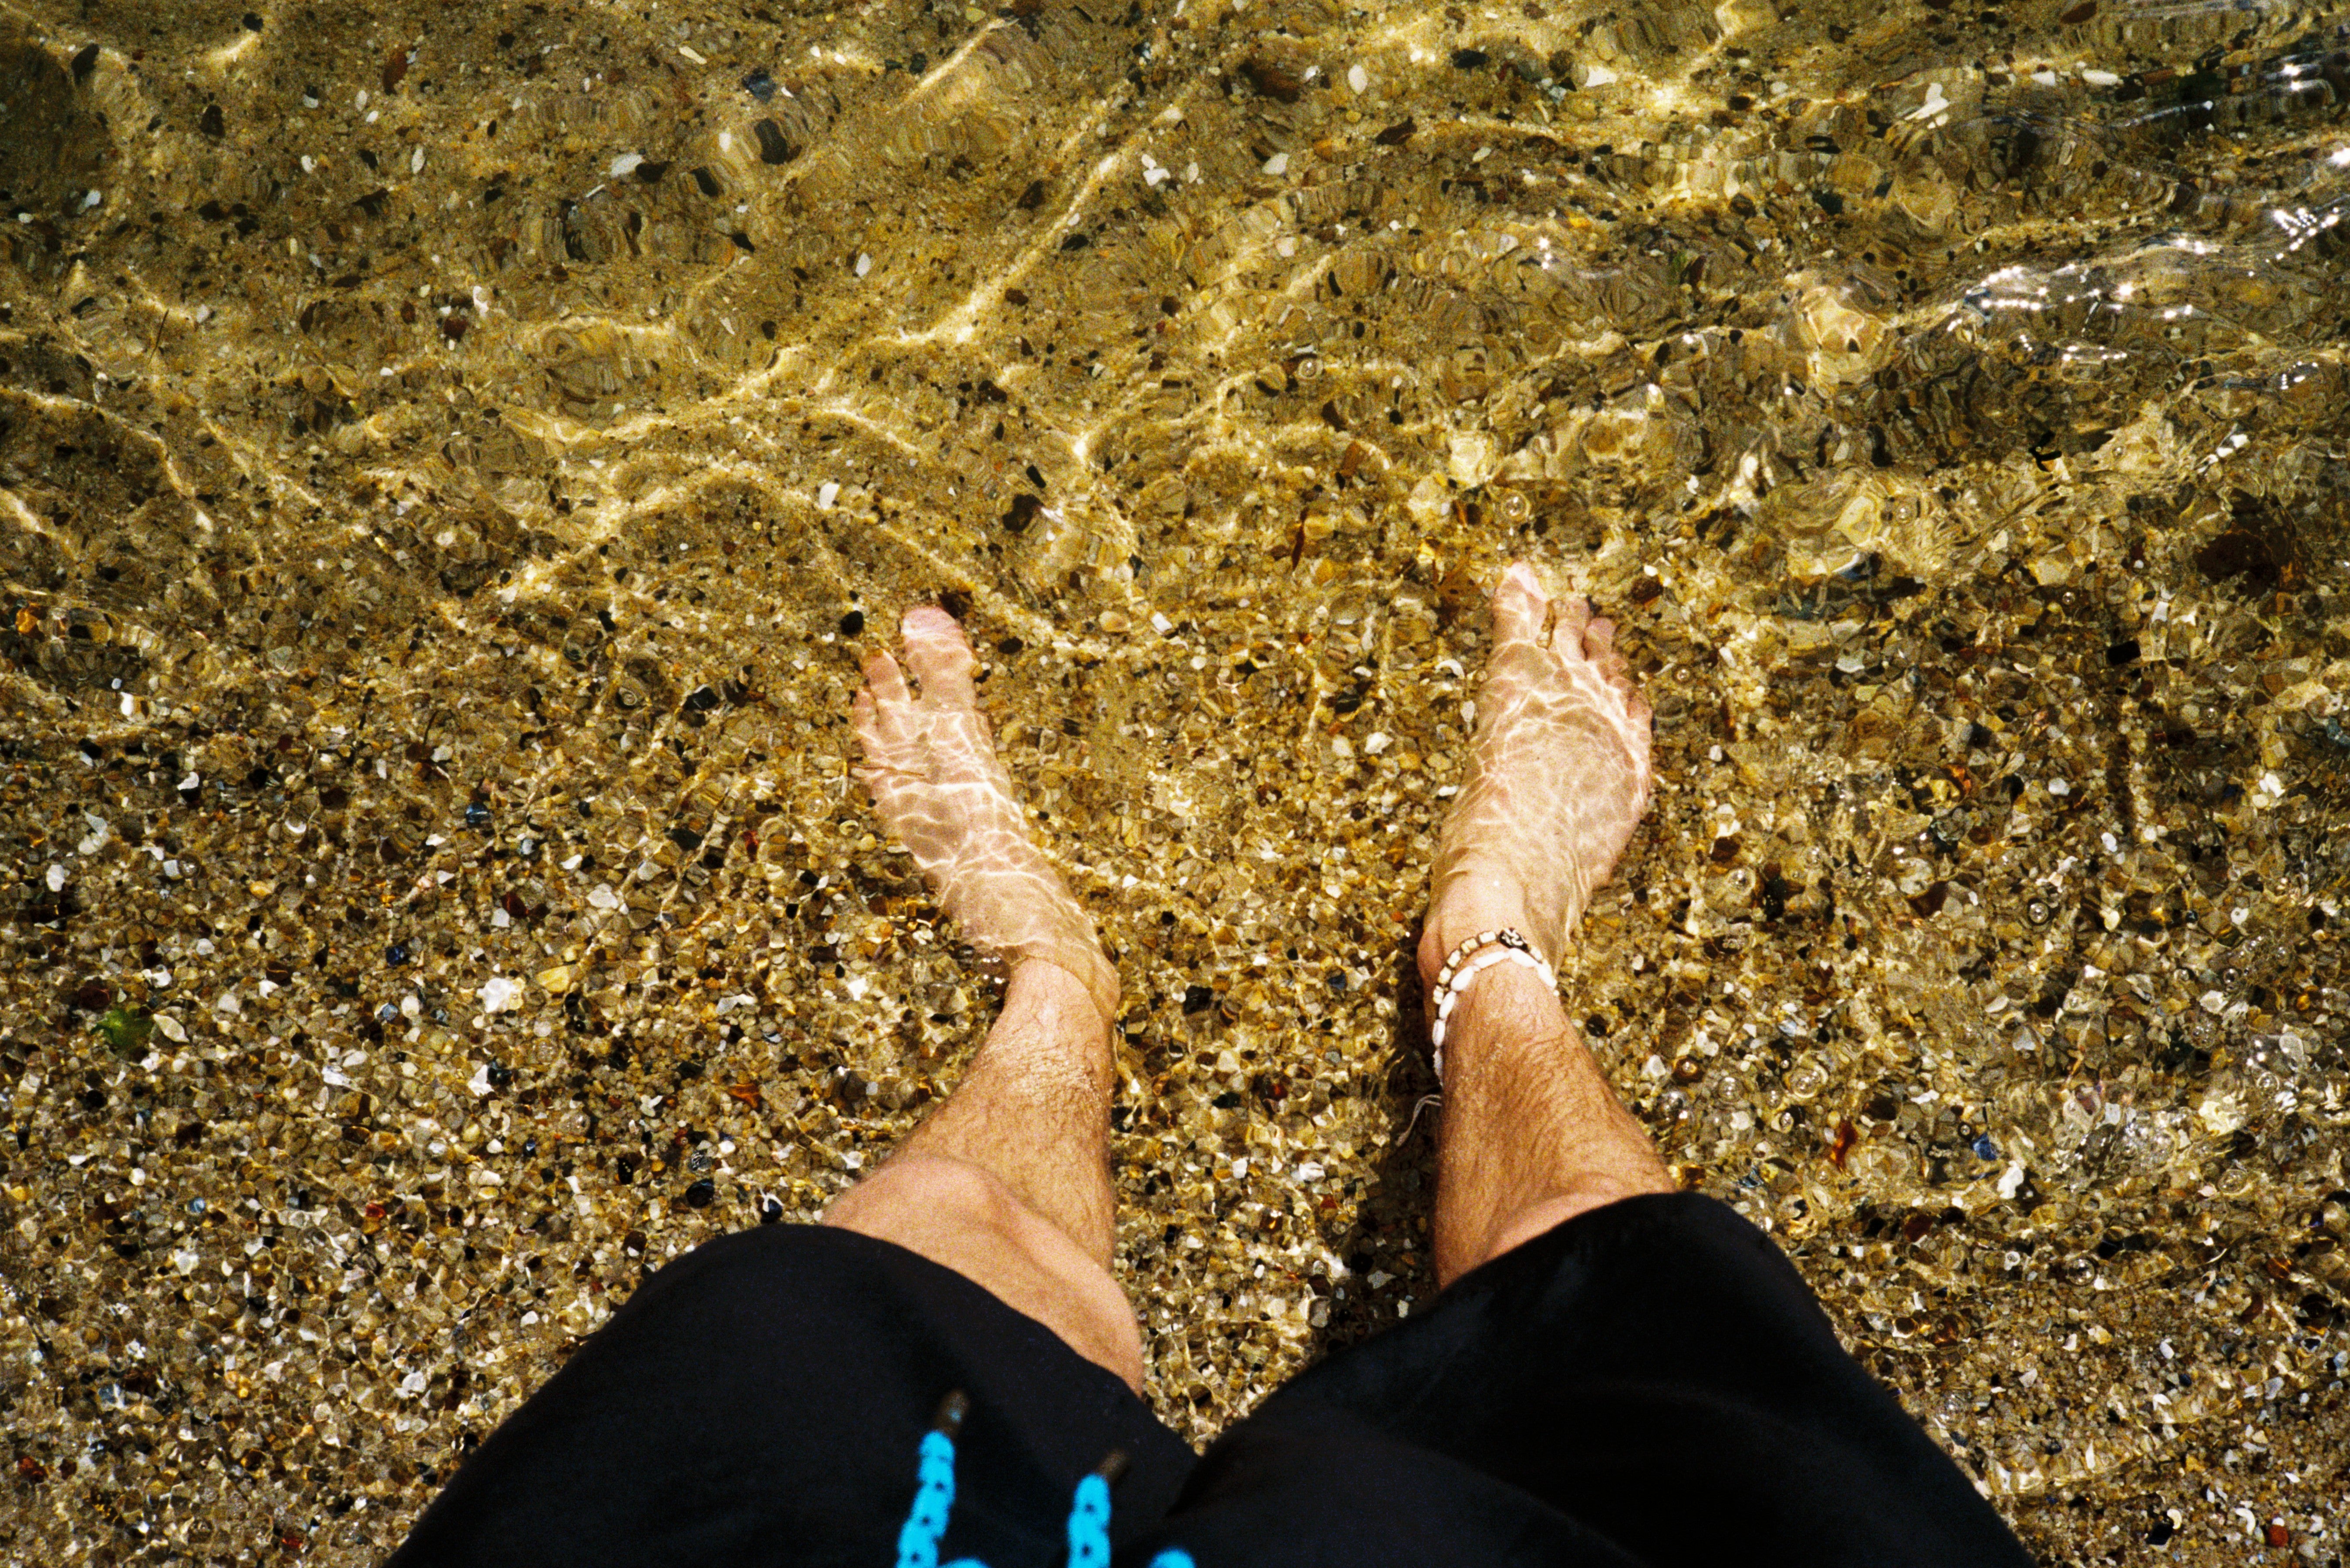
(452, 457)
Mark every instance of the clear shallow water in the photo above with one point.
(439, 524)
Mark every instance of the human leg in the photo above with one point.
(1617, 1374)
(1532, 1134)
(1008, 1182)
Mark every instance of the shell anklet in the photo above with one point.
(1465, 962)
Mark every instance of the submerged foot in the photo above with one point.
(1558, 776)
(936, 782)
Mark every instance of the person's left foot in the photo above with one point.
(936, 782)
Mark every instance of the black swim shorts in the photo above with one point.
(1647, 1384)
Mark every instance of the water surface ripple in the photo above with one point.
(451, 458)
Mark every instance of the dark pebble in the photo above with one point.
(396, 954)
(1468, 59)
(1985, 1148)
(212, 123)
(477, 816)
(760, 85)
(1198, 999)
(253, 21)
(773, 147)
(85, 61)
(685, 838)
(852, 623)
(770, 1209)
(701, 699)
(1337, 980)
(702, 1194)
(2248, 556)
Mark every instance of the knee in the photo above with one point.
(963, 1218)
(922, 1191)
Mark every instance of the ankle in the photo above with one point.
(1048, 987)
(1467, 908)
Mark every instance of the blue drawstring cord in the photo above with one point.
(926, 1522)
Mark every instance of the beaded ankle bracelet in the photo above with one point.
(1461, 965)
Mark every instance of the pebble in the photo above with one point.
(643, 397)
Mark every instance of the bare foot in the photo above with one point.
(1558, 777)
(937, 784)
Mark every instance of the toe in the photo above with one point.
(1520, 606)
(940, 657)
(1599, 647)
(884, 682)
(873, 731)
(1570, 616)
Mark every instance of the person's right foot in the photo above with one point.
(1558, 777)
(936, 782)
